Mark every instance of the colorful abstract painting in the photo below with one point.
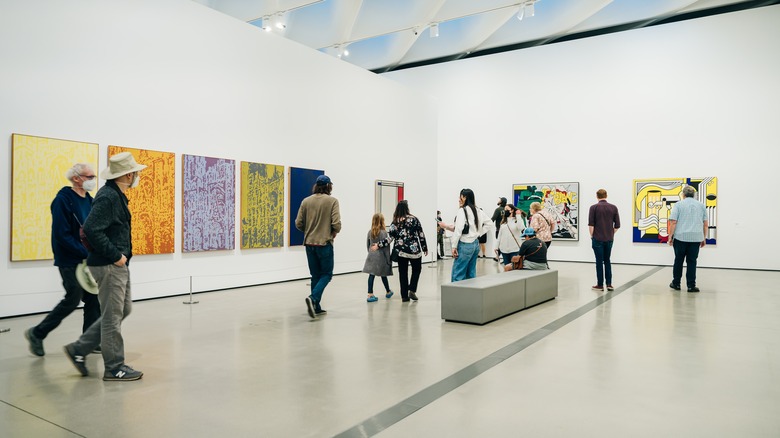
(301, 182)
(209, 204)
(262, 205)
(561, 200)
(152, 203)
(38, 173)
(653, 201)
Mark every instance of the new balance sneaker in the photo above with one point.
(693, 289)
(674, 286)
(76, 359)
(123, 373)
(36, 345)
(413, 296)
(320, 311)
(310, 308)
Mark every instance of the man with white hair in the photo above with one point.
(687, 230)
(69, 210)
(108, 231)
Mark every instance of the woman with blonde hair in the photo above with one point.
(542, 223)
(377, 262)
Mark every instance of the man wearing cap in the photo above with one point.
(320, 221)
(107, 229)
(68, 211)
(533, 250)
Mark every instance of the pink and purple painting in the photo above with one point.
(209, 204)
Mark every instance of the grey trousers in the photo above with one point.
(115, 304)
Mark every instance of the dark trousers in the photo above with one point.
(73, 295)
(603, 252)
(688, 252)
(320, 260)
(403, 275)
(371, 283)
(440, 242)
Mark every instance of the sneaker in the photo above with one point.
(413, 296)
(372, 299)
(123, 373)
(693, 289)
(98, 350)
(597, 287)
(389, 294)
(674, 286)
(310, 308)
(610, 288)
(36, 345)
(320, 312)
(76, 359)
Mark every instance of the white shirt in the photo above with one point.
(506, 243)
(476, 228)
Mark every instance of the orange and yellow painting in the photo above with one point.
(38, 173)
(152, 203)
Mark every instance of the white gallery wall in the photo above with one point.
(690, 99)
(175, 76)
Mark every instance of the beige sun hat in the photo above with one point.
(85, 278)
(121, 164)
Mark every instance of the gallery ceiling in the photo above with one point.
(385, 35)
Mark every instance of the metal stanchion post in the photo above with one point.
(4, 330)
(190, 301)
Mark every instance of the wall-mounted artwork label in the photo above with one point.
(209, 203)
(301, 183)
(654, 199)
(153, 202)
(38, 172)
(262, 205)
(561, 200)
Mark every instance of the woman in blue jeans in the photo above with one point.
(470, 223)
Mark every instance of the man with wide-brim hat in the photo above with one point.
(107, 229)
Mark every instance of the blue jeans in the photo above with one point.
(603, 251)
(689, 252)
(465, 266)
(320, 260)
(508, 257)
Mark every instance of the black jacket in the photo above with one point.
(108, 227)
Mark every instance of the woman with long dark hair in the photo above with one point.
(470, 223)
(409, 246)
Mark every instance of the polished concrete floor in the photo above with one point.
(642, 361)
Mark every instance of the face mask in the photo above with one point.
(89, 185)
(135, 182)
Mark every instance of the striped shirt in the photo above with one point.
(690, 215)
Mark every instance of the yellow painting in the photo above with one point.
(38, 173)
(153, 202)
(262, 206)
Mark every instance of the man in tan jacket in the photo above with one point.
(320, 221)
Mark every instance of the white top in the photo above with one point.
(507, 244)
(476, 228)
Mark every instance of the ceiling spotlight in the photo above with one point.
(279, 21)
(341, 51)
(267, 23)
(434, 30)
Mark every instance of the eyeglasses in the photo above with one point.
(90, 177)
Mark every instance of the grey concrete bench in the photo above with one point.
(487, 298)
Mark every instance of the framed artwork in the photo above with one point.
(301, 183)
(152, 203)
(387, 194)
(262, 205)
(209, 203)
(38, 167)
(561, 200)
(653, 202)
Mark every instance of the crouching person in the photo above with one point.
(532, 254)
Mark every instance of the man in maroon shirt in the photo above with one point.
(603, 222)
